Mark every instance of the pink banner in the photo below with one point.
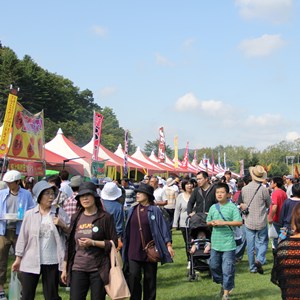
(161, 146)
(98, 118)
(185, 160)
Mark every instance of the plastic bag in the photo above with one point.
(272, 232)
(14, 287)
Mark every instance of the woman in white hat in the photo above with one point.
(40, 246)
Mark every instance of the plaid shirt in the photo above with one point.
(257, 217)
(70, 205)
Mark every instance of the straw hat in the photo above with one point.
(258, 173)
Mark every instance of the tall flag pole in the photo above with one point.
(242, 173)
(98, 118)
(176, 152)
(219, 159)
(225, 166)
(212, 163)
(161, 146)
(126, 154)
(186, 157)
(205, 161)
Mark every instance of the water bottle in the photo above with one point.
(20, 214)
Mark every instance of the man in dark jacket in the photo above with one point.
(203, 196)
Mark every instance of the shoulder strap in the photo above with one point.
(254, 195)
(217, 205)
(140, 227)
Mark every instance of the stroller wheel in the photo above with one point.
(193, 277)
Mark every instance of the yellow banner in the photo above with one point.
(176, 151)
(27, 135)
(8, 120)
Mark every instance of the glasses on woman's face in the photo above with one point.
(49, 194)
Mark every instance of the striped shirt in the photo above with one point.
(222, 238)
(257, 217)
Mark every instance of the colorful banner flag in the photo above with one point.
(98, 169)
(205, 162)
(161, 146)
(97, 127)
(185, 160)
(27, 138)
(176, 152)
(126, 154)
(7, 123)
(219, 160)
(242, 172)
(296, 172)
(212, 162)
(28, 168)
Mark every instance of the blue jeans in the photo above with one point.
(257, 241)
(222, 267)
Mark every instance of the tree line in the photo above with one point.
(66, 106)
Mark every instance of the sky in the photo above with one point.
(212, 72)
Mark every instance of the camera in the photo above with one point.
(245, 211)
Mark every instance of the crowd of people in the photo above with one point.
(59, 225)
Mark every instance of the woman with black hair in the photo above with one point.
(145, 222)
(87, 262)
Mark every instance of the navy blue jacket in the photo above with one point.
(159, 230)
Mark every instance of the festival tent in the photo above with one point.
(155, 159)
(63, 146)
(111, 158)
(189, 169)
(147, 168)
(58, 162)
(142, 158)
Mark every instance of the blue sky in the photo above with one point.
(212, 72)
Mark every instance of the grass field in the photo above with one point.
(173, 282)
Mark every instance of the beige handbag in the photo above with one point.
(117, 287)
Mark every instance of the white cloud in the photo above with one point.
(163, 61)
(266, 120)
(292, 135)
(189, 102)
(99, 30)
(262, 46)
(108, 91)
(275, 11)
(188, 43)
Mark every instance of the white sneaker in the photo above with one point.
(188, 265)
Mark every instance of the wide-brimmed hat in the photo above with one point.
(39, 187)
(11, 176)
(87, 188)
(76, 181)
(146, 189)
(111, 191)
(258, 173)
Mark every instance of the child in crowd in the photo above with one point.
(201, 237)
(222, 217)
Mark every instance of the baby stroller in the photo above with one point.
(198, 234)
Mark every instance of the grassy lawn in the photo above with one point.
(172, 282)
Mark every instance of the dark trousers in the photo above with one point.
(184, 232)
(49, 280)
(135, 277)
(82, 281)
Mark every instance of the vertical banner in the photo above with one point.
(161, 146)
(225, 166)
(186, 157)
(7, 123)
(97, 127)
(212, 163)
(242, 173)
(126, 154)
(219, 159)
(205, 162)
(176, 151)
(27, 140)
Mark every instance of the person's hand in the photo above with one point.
(85, 242)
(58, 222)
(217, 223)
(16, 265)
(171, 250)
(64, 276)
(120, 244)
